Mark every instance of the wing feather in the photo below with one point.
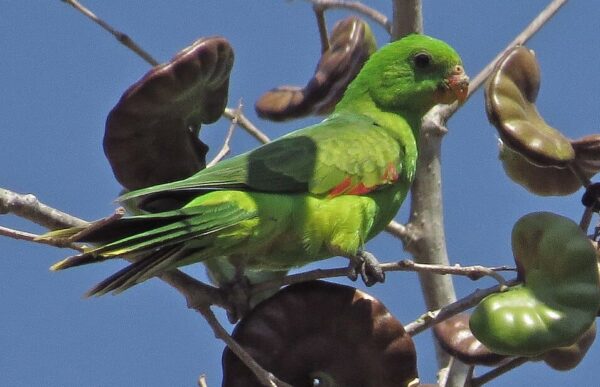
(315, 160)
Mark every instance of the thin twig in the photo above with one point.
(498, 371)
(586, 219)
(265, 377)
(473, 272)
(28, 207)
(229, 113)
(320, 15)
(120, 36)
(533, 27)
(116, 215)
(247, 125)
(29, 237)
(225, 149)
(356, 6)
(196, 293)
(433, 317)
(398, 230)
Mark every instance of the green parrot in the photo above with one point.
(318, 192)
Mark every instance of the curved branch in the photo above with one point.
(427, 320)
(124, 39)
(356, 6)
(473, 272)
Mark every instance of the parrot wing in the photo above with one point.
(345, 154)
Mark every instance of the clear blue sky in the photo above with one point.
(61, 75)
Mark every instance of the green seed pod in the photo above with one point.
(559, 297)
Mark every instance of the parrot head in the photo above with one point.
(412, 75)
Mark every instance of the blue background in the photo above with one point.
(61, 74)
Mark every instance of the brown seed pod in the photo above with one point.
(587, 153)
(322, 331)
(455, 337)
(149, 138)
(351, 44)
(567, 358)
(543, 181)
(510, 104)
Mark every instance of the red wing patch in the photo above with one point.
(340, 188)
(391, 174)
(360, 189)
(345, 187)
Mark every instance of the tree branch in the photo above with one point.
(356, 6)
(408, 18)
(538, 22)
(426, 198)
(247, 125)
(266, 378)
(225, 149)
(472, 272)
(30, 208)
(120, 36)
(498, 371)
(427, 320)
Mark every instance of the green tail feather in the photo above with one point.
(137, 272)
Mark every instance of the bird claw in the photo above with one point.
(367, 265)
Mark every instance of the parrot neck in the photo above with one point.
(359, 101)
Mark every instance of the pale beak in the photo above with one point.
(458, 82)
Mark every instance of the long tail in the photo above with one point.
(155, 242)
(137, 272)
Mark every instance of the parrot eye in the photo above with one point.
(422, 60)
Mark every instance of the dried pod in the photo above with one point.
(543, 181)
(567, 358)
(587, 153)
(351, 44)
(456, 338)
(325, 332)
(510, 103)
(149, 136)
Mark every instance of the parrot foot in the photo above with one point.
(238, 296)
(368, 266)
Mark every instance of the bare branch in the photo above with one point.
(29, 237)
(473, 272)
(320, 15)
(399, 230)
(542, 18)
(356, 6)
(266, 378)
(196, 293)
(498, 371)
(408, 18)
(28, 207)
(120, 36)
(433, 317)
(426, 200)
(247, 125)
(225, 149)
